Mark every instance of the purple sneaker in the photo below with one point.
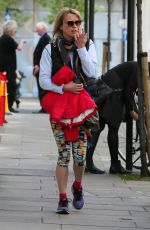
(78, 200)
(63, 207)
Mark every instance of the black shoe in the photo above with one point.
(12, 110)
(94, 170)
(63, 207)
(78, 201)
(17, 103)
(114, 169)
(40, 111)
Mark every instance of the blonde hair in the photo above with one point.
(9, 26)
(42, 25)
(60, 17)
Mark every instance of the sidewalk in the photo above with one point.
(28, 190)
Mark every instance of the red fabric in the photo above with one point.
(2, 97)
(63, 76)
(77, 184)
(63, 196)
(2, 110)
(68, 105)
(71, 134)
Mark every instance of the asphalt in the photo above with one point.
(28, 189)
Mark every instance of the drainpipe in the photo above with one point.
(130, 57)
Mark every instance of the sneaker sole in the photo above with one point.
(62, 211)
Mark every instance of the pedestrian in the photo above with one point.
(68, 50)
(123, 80)
(8, 60)
(41, 29)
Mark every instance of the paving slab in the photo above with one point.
(28, 226)
(28, 188)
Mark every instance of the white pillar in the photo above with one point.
(146, 26)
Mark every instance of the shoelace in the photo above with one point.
(69, 200)
(78, 194)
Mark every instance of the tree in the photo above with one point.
(54, 6)
(143, 95)
(11, 6)
(6, 5)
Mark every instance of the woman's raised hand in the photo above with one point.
(80, 39)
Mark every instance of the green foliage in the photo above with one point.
(20, 17)
(135, 177)
(6, 4)
(17, 14)
(54, 6)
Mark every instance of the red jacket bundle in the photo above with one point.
(68, 109)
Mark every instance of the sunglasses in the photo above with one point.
(72, 23)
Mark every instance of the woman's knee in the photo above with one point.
(63, 162)
(63, 158)
(79, 161)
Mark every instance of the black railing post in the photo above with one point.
(130, 57)
(91, 20)
(86, 15)
(130, 39)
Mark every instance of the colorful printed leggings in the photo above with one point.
(78, 148)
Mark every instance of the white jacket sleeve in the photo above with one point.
(88, 60)
(46, 70)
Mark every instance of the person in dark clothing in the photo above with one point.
(8, 62)
(41, 29)
(123, 80)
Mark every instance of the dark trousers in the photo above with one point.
(40, 90)
(38, 86)
(112, 139)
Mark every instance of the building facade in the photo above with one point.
(117, 33)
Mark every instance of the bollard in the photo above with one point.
(5, 92)
(2, 99)
(6, 99)
(3, 95)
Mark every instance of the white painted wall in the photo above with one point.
(146, 26)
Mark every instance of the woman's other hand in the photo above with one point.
(73, 87)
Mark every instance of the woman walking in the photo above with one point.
(71, 55)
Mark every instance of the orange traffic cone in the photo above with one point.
(6, 94)
(6, 100)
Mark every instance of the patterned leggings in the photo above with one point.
(78, 147)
